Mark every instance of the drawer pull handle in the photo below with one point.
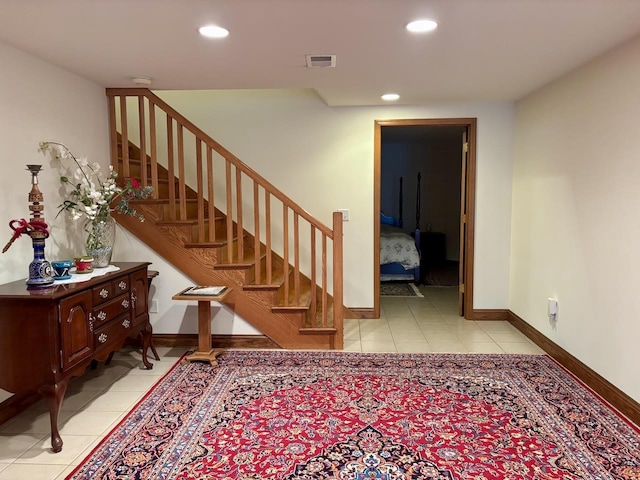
(126, 323)
(91, 320)
(104, 293)
(123, 285)
(125, 303)
(102, 315)
(102, 338)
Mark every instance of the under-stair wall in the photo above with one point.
(284, 266)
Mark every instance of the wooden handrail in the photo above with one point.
(157, 101)
(204, 232)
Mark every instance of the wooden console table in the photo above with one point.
(204, 353)
(50, 334)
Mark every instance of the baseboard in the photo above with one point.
(16, 404)
(221, 341)
(362, 312)
(612, 394)
(487, 314)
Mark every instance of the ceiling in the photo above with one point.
(483, 50)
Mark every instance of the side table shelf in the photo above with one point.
(49, 335)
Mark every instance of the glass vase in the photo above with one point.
(100, 239)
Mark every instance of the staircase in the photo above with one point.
(221, 223)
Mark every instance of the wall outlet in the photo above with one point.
(345, 214)
(154, 306)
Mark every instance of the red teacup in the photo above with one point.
(84, 264)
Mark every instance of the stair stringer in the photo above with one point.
(254, 306)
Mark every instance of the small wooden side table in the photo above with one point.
(204, 353)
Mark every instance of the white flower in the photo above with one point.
(89, 194)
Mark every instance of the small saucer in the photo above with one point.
(64, 277)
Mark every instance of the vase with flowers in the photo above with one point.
(93, 195)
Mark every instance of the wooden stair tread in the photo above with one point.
(217, 244)
(240, 272)
(317, 330)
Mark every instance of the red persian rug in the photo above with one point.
(350, 416)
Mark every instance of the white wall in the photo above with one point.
(322, 157)
(42, 102)
(575, 228)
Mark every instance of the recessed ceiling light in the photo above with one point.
(421, 26)
(213, 31)
(390, 97)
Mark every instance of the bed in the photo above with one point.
(399, 251)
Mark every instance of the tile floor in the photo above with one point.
(431, 324)
(97, 401)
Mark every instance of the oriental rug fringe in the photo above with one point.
(352, 416)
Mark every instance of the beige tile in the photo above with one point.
(13, 446)
(160, 367)
(378, 346)
(401, 319)
(31, 472)
(398, 306)
(352, 329)
(373, 325)
(424, 309)
(41, 453)
(455, 320)
(508, 337)
(407, 336)
(88, 423)
(435, 327)
(521, 347)
(32, 421)
(87, 450)
(376, 336)
(473, 336)
(483, 347)
(76, 399)
(441, 337)
(352, 345)
(115, 401)
(134, 383)
(428, 318)
(413, 347)
(95, 383)
(66, 472)
(496, 326)
(405, 328)
(116, 422)
(448, 347)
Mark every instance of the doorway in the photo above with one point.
(466, 128)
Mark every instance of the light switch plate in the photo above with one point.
(345, 214)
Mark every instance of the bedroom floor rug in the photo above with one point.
(399, 290)
(445, 275)
(354, 416)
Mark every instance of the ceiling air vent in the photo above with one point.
(321, 61)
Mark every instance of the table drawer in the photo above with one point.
(108, 290)
(106, 312)
(111, 332)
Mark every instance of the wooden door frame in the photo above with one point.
(471, 125)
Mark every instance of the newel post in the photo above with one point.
(338, 340)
